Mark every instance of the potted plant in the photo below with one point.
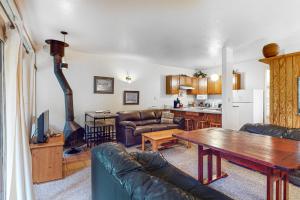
(200, 74)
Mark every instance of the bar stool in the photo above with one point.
(215, 122)
(189, 124)
(203, 122)
(98, 132)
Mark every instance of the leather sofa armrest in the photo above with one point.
(179, 121)
(127, 124)
(149, 160)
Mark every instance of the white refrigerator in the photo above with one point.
(247, 107)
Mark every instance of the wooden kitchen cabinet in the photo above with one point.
(189, 81)
(185, 80)
(236, 81)
(202, 89)
(201, 85)
(195, 85)
(214, 87)
(172, 84)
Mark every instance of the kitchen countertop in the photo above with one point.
(199, 110)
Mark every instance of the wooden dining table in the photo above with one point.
(271, 156)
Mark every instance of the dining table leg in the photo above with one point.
(270, 186)
(219, 168)
(282, 186)
(200, 163)
(285, 178)
(209, 167)
(279, 188)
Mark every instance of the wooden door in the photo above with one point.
(202, 86)
(172, 84)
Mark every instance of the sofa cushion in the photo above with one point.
(293, 134)
(146, 122)
(142, 129)
(167, 118)
(115, 159)
(265, 129)
(158, 127)
(156, 165)
(158, 114)
(129, 116)
(147, 114)
(173, 126)
(139, 123)
(141, 185)
(150, 160)
(294, 177)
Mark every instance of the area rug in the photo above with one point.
(241, 184)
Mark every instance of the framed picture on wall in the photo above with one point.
(131, 98)
(103, 85)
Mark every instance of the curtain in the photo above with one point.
(20, 95)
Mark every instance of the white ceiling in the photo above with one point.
(185, 33)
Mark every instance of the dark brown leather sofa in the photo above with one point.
(131, 125)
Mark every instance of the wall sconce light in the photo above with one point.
(128, 78)
(214, 77)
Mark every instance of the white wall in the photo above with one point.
(252, 73)
(149, 79)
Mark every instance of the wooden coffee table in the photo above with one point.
(159, 137)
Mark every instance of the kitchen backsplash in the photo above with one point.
(213, 100)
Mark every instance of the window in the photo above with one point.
(2, 123)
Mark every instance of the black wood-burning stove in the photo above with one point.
(73, 132)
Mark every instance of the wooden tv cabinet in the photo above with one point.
(47, 160)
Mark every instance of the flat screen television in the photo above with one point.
(43, 127)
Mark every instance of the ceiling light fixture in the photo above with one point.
(64, 63)
(214, 77)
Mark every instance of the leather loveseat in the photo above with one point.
(118, 175)
(277, 131)
(131, 125)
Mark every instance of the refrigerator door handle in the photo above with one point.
(235, 106)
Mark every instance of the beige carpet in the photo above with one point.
(241, 184)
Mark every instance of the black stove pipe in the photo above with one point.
(73, 132)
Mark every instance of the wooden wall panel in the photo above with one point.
(271, 118)
(276, 92)
(284, 73)
(296, 72)
(282, 91)
(289, 92)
